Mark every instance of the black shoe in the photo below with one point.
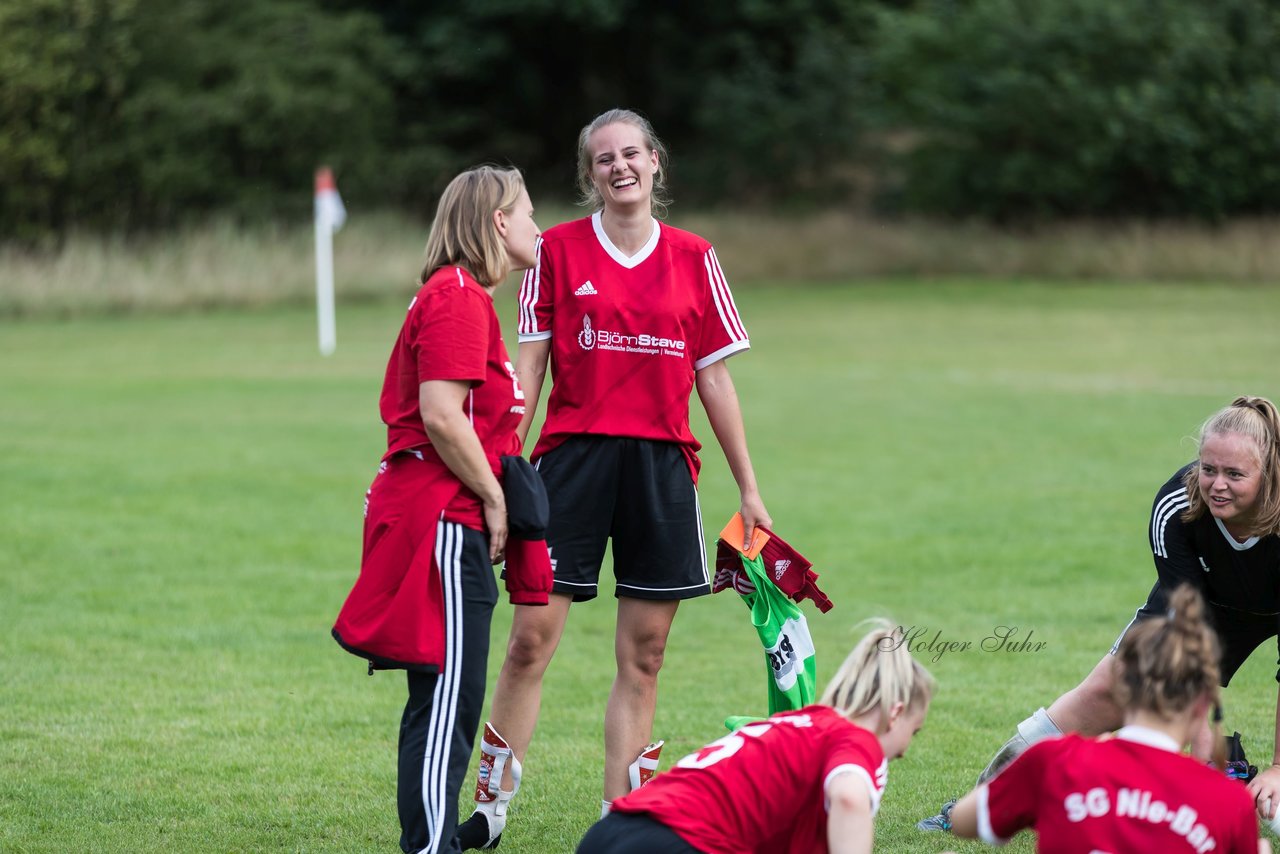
(473, 834)
(941, 821)
(1238, 768)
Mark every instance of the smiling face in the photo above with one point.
(622, 167)
(1231, 479)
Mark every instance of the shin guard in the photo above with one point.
(646, 765)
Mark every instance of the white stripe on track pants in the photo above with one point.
(438, 728)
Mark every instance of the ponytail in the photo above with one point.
(1166, 663)
(878, 674)
(1256, 418)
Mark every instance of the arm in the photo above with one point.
(531, 369)
(454, 439)
(850, 825)
(964, 816)
(1266, 786)
(720, 400)
(997, 810)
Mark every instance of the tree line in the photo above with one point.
(135, 114)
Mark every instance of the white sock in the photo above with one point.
(604, 807)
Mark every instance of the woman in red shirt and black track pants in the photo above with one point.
(435, 515)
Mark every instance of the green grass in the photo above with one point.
(180, 508)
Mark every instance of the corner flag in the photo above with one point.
(330, 215)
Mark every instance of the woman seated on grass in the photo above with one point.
(803, 781)
(1135, 791)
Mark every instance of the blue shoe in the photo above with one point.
(941, 821)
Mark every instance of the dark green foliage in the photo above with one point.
(235, 105)
(64, 74)
(127, 114)
(1036, 108)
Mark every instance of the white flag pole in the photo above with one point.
(330, 215)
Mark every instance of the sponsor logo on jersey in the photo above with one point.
(780, 568)
(587, 337)
(645, 343)
(586, 289)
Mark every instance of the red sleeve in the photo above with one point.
(1246, 832)
(452, 335)
(535, 299)
(1013, 797)
(857, 752)
(722, 331)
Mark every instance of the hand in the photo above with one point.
(1266, 787)
(495, 519)
(753, 514)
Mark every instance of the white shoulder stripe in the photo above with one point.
(985, 831)
(724, 298)
(1173, 503)
(529, 289)
(859, 772)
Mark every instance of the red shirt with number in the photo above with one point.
(627, 333)
(451, 332)
(1134, 792)
(763, 788)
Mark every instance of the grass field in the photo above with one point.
(181, 506)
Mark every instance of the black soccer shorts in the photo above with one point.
(1239, 632)
(640, 494)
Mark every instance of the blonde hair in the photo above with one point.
(1164, 664)
(1256, 418)
(589, 194)
(877, 674)
(464, 234)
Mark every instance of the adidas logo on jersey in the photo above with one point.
(780, 568)
(587, 289)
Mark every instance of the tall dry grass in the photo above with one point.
(219, 264)
(378, 254)
(843, 246)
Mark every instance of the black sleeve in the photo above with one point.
(1177, 561)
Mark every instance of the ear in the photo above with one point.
(500, 221)
(895, 715)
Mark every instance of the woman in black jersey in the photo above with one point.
(1215, 525)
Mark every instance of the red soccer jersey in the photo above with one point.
(453, 333)
(1134, 792)
(763, 788)
(627, 334)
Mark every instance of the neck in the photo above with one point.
(1178, 727)
(629, 230)
(1242, 532)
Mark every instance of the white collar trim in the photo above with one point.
(617, 254)
(1149, 737)
(1235, 544)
